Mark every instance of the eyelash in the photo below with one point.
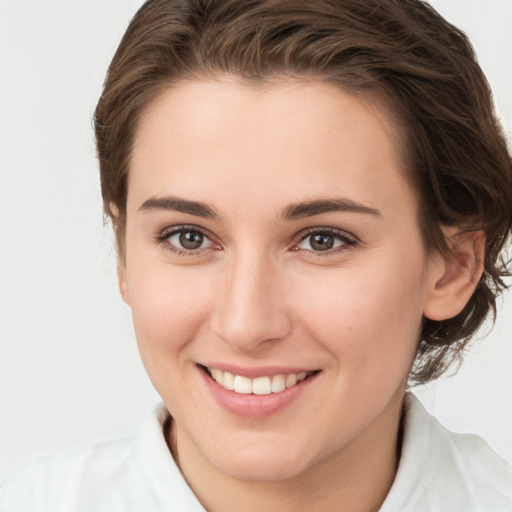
(163, 240)
(348, 241)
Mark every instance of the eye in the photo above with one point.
(186, 240)
(324, 240)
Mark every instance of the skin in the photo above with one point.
(256, 293)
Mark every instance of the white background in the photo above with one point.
(69, 368)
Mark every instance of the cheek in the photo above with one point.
(169, 307)
(368, 318)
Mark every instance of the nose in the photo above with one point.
(250, 310)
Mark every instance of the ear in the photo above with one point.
(123, 284)
(455, 275)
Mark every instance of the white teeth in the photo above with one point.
(262, 386)
(291, 380)
(217, 375)
(278, 383)
(242, 385)
(229, 381)
(258, 386)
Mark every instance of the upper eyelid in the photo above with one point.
(171, 230)
(298, 237)
(301, 235)
(162, 240)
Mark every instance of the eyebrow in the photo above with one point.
(180, 205)
(317, 207)
(293, 212)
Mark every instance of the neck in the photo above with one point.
(357, 478)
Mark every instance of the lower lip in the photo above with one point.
(255, 406)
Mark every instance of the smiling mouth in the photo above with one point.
(265, 385)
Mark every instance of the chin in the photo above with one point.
(260, 471)
(262, 465)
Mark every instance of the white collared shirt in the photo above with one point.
(438, 471)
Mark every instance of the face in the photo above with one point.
(272, 246)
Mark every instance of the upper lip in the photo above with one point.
(257, 371)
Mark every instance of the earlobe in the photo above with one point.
(123, 285)
(455, 275)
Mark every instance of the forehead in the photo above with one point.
(306, 138)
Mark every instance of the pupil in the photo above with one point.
(191, 239)
(322, 242)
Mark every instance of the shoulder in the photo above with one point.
(46, 481)
(132, 474)
(443, 470)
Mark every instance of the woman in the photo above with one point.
(310, 202)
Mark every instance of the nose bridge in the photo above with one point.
(250, 310)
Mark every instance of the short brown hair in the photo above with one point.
(401, 51)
